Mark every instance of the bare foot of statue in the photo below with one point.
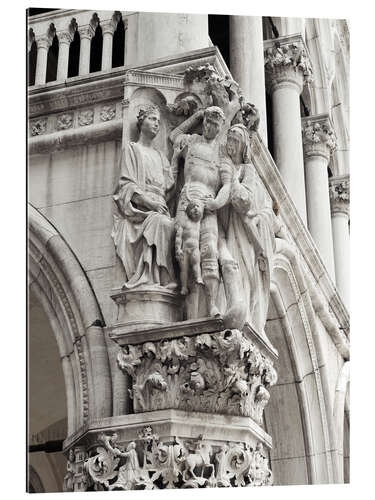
(214, 312)
(172, 285)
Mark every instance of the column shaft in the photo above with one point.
(41, 61)
(340, 230)
(318, 209)
(288, 149)
(63, 60)
(247, 63)
(84, 53)
(107, 50)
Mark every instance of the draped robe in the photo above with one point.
(143, 237)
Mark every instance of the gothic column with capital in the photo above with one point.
(287, 69)
(339, 191)
(43, 43)
(108, 28)
(65, 39)
(318, 143)
(85, 33)
(247, 62)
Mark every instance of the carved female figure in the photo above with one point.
(143, 232)
(250, 227)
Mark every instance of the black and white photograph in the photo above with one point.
(188, 250)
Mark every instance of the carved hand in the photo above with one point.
(210, 205)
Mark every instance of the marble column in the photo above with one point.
(65, 39)
(247, 63)
(85, 33)
(108, 28)
(339, 191)
(43, 43)
(287, 70)
(319, 142)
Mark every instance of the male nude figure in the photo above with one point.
(202, 181)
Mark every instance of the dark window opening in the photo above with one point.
(53, 54)
(32, 63)
(218, 30)
(269, 124)
(96, 51)
(118, 47)
(304, 109)
(73, 65)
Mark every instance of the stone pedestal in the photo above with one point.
(198, 395)
(287, 69)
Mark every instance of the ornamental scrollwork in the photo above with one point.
(154, 463)
(218, 373)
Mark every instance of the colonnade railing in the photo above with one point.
(56, 31)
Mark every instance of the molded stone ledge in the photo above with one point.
(169, 423)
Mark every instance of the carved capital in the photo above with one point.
(339, 193)
(318, 136)
(65, 37)
(153, 463)
(43, 42)
(108, 26)
(76, 477)
(86, 32)
(223, 372)
(286, 62)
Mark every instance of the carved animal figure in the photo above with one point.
(200, 458)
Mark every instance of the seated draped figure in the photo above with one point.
(143, 230)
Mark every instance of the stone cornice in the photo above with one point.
(318, 136)
(339, 193)
(287, 62)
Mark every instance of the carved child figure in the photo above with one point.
(187, 243)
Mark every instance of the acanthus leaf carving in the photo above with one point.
(219, 373)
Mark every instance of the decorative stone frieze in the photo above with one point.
(86, 117)
(318, 136)
(153, 463)
(38, 127)
(286, 61)
(339, 192)
(223, 372)
(107, 113)
(64, 121)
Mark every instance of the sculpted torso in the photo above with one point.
(201, 171)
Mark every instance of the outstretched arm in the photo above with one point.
(186, 125)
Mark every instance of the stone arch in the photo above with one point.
(60, 284)
(35, 484)
(298, 415)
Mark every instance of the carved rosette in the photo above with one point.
(107, 113)
(318, 137)
(339, 193)
(286, 62)
(38, 127)
(64, 121)
(86, 117)
(222, 373)
(154, 463)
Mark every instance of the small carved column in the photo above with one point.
(318, 143)
(287, 70)
(65, 39)
(85, 33)
(247, 62)
(108, 29)
(339, 194)
(43, 43)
